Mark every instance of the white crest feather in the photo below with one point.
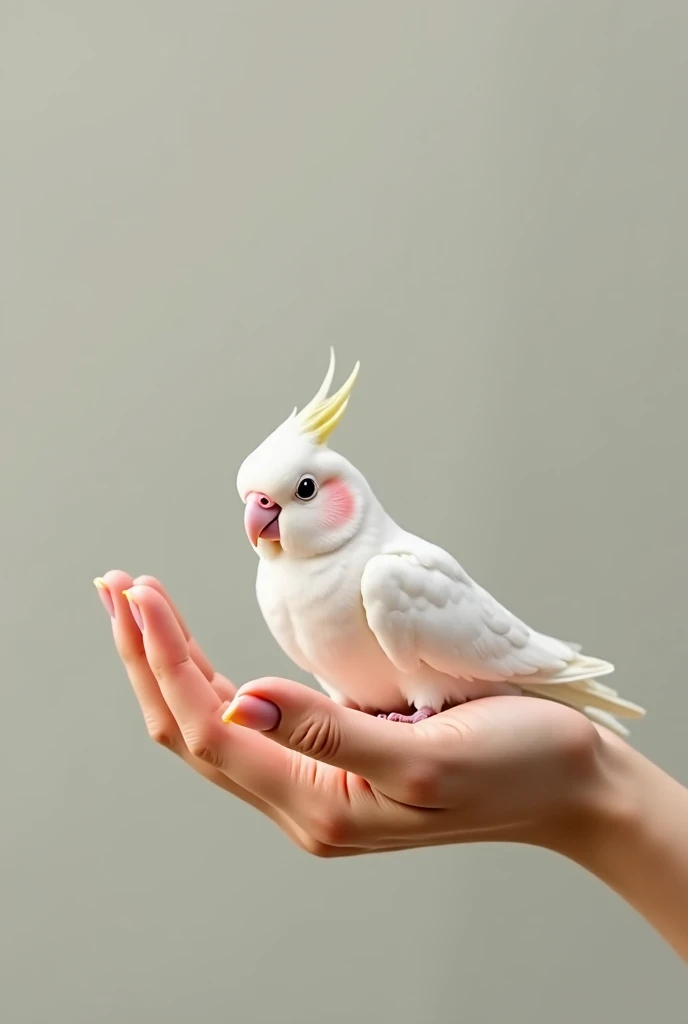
(322, 414)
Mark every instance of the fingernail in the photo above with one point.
(105, 595)
(135, 610)
(253, 713)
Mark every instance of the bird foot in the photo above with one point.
(419, 716)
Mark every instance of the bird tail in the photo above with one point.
(578, 687)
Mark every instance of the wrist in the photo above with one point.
(627, 823)
(604, 809)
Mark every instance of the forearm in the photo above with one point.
(634, 838)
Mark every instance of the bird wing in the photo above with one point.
(424, 609)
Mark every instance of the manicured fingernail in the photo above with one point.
(253, 713)
(135, 610)
(105, 595)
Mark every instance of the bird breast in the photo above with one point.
(314, 610)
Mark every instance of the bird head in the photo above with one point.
(301, 498)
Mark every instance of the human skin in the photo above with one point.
(341, 783)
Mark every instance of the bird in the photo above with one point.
(386, 622)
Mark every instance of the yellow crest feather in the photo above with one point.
(322, 414)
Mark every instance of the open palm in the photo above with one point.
(339, 782)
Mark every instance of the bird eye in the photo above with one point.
(307, 488)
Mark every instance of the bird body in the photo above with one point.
(384, 620)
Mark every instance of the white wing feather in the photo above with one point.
(424, 609)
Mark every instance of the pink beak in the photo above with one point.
(261, 518)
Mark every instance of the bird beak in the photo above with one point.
(261, 518)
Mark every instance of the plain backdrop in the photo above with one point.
(486, 204)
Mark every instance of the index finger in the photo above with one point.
(249, 759)
(196, 651)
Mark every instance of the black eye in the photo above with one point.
(307, 488)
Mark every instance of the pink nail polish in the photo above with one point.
(105, 596)
(135, 612)
(253, 713)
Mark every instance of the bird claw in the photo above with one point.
(419, 716)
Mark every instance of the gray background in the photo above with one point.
(486, 203)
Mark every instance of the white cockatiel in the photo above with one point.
(385, 621)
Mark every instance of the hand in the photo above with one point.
(339, 782)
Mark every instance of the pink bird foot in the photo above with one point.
(419, 716)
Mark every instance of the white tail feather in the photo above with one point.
(578, 687)
(604, 718)
(581, 668)
(577, 697)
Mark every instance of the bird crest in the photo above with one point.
(321, 415)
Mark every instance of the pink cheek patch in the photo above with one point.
(339, 505)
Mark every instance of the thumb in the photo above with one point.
(310, 723)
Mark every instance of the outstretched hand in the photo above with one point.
(340, 782)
